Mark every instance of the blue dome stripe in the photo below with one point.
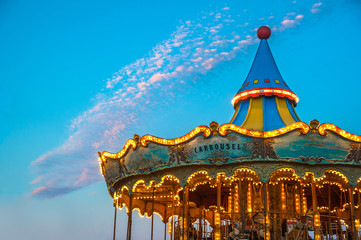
(292, 111)
(242, 113)
(271, 118)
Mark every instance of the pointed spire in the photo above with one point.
(264, 78)
(264, 102)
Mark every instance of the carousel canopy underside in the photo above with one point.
(157, 173)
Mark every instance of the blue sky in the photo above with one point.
(81, 77)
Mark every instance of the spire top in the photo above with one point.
(264, 32)
(264, 102)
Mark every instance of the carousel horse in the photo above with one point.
(298, 230)
(235, 233)
(257, 231)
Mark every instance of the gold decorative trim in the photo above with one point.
(226, 128)
(207, 131)
(323, 128)
(130, 143)
(223, 131)
(201, 129)
(144, 141)
(264, 92)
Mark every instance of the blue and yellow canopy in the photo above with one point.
(264, 102)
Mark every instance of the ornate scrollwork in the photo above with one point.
(263, 148)
(146, 169)
(312, 158)
(123, 170)
(218, 160)
(177, 154)
(355, 153)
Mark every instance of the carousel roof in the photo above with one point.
(265, 164)
(264, 137)
(264, 102)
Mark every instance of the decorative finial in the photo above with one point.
(264, 32)
(136, 138)
(314, 125)
(214, 127)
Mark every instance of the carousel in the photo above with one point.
(264, 175)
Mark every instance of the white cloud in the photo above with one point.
(130, 89)
(299, 17)
(287, 23)
(159, 63)
(315, 7)
(179, 68)
(197, 59)
(209, 63)
(194, 48)
(142, 86)
(228, 20)
(156, 78)
(177, 44)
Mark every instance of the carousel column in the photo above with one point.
(240, 204)
(282, 208)
(199, 235)
(165, 222)
(130, 216)
(232, 205)
(265, 206)
(152, 215)
(115, 215)
(354, 232)
(329, 206)
(217, 215)
(204, 223)
(359, 209)
(276, 222)
(172, 232)
(185, 213)
(316, 215)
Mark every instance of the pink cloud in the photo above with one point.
(176, 63)
(315, 7)
(156, 78)
(288, 23)
(39, 190)
(142, 86)
(37, 180)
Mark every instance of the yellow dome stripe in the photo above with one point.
(254, 119)
(284, 111)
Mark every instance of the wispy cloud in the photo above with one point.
(195, 48)
(288, 22)
(316, 7)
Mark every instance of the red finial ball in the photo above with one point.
(264, 32)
